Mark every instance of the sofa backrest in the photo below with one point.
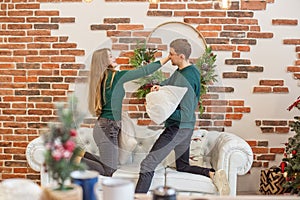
(136, 141)
(202, 143)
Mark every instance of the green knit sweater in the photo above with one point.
(184, 115)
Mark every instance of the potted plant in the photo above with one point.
(62, 152)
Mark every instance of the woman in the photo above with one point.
(106, 92)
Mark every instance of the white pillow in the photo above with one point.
(162, 103)
(200, 149)
(202, 144)
(197, 148)
(127, 141)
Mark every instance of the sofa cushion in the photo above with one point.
(131, 172)
(128, 145)
(202, 143)
(183, 181)
(127, 141)
(145, 138)
(86, 141)
(162, 103)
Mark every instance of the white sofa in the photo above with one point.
(220, 150)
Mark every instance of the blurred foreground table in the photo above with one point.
(199, 196)
(213, 197)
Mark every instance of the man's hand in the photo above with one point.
(155, 88)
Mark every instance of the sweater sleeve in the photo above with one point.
(129, 75)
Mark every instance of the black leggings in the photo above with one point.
(93, 162)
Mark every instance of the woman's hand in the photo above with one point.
(165, 60)
(155, 88)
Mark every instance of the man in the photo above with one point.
(179, 126)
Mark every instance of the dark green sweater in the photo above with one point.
(184, 115)
(114, 94)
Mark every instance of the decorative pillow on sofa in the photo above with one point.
(127, 141)
(196, 147)
(202, 143)
(162, 103)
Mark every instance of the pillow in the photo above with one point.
(162, 103)
(200, 148)
(196, 147)
(202, 144)
(127, 141)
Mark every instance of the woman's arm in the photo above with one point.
(130, 75)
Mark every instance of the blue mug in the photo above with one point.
(87, 180)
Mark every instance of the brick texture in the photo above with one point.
(37, 69)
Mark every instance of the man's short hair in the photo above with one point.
(182, 46)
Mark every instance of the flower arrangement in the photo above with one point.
(143, 56)
(60, 142)
(290, 164)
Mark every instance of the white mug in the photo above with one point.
(117, 188)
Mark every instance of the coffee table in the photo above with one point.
(214, 197)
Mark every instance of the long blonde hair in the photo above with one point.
(99, 65)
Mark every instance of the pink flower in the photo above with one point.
(67, 154)
(73, 132)
(69, 145)
(57, 143)
(57, 155)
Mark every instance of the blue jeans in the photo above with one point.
(171, 138)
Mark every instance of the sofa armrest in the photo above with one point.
(234, 155)
(35, 157)
(35, 154)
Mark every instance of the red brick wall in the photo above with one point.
(38, 69)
